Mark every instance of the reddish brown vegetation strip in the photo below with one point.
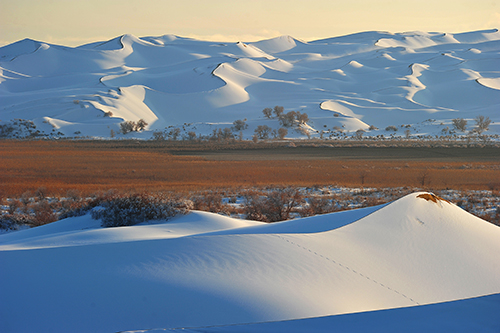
(89, 166)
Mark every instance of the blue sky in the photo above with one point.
(71, 22)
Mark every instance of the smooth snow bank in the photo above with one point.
(83, 230)
(306, 225)
(415, 251)
(470, 315)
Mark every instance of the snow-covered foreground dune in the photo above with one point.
(418, 261)
(349, 82)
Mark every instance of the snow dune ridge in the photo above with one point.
(203, 269)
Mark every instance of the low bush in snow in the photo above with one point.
(210, 201)
(44, 213)
(21, 214)
(276, 205)
(137, 208)
(268, 204)
(12, 222)
(317, 205)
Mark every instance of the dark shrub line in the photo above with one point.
(265, 204)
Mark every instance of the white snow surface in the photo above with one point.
(349, 82)
(411, 265)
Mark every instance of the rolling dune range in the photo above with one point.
(345, 83)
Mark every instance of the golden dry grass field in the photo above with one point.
(89, 166)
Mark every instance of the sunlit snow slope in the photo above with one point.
(203, 269)
(348, 82)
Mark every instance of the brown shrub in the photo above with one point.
(132, 209)
(317, 205)
(44, 213)
(210, 201)
(275, 205)
(13, 206)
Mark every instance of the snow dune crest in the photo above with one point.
(277, 45)
(203, 269)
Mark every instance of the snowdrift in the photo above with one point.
(417, 256)
(348, 82)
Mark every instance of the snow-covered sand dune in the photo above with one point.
(349, 82)
(416, 256)
(478, 314)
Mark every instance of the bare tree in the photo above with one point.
(278, 111)
(263, 131)
(362, 176)
(141, 124)
(132, 126)
(482, 124)
(304, 131)
(268, 112)
(227, 134)
(359, 134)
(288, 119)
(159, 136)
(239, 125)
(127, 127)
(282, 132)
(423, 178)
(174, 133)
(302, 118)
(460, 124)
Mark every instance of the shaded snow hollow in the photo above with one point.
(378, 268)
(348, 82)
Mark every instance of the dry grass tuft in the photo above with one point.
(431, 197)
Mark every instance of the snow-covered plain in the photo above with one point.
(343, 83)
(418, 263)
